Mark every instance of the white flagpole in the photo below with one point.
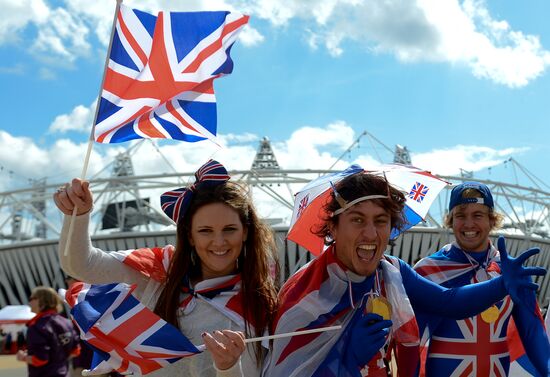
(91, 139)
(286, 335)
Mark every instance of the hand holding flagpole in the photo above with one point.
(202, 347)
(91, 139)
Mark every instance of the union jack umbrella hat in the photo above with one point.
(174, 203)
(420, 188)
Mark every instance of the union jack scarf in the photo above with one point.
(325, 293)
(451, 267)
(223, 293)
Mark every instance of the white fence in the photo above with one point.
(26, 265)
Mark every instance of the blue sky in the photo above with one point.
(462, 84)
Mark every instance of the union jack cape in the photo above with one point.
(320, 295)
(159, 78)
(470, 346)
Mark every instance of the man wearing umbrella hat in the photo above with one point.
(372, 296)
(491, 335)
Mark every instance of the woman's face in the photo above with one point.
(217, 234)
(34, 304)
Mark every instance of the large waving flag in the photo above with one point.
(125, 335)
(159, 78)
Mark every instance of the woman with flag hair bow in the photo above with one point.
(215, 285)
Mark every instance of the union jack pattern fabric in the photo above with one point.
(468, 347)
(320, 294)
(223, 293)
(303, 205)
(126, 336)
(175, 202)
(418, 192)
(159, 79)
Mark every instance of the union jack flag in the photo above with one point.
(418, 192)
(477, 347)
(303, 204)
(126, 336)
(159, 79)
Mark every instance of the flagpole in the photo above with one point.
(288, 334)
(91, 139)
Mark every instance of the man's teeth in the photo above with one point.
(470, 234)
(366, 251)
(367, 247)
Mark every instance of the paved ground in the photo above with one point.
(9, 367)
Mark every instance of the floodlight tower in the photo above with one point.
(401, 155)
(122, 213)
(265, 158)
(38, 201)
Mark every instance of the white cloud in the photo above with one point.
(46, 74)
(463, 33)
(16, 69)
(250, 36)
(80, 119)
(63, 35)
(473, 158)
(53, 35)
(59, 162)
(17, 15)
(491, 48)
(450, 31)
(306, 146)
(246, 137)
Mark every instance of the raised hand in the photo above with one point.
(77, 193)
(517, 278)
(225, 346)
(368, 335)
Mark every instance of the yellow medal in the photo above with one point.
(380, 306)
(490, 315)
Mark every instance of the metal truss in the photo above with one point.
(30, 213)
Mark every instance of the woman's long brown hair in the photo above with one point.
(258, 283)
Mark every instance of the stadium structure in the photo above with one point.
(127, 216)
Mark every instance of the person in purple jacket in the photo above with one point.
(51, 338)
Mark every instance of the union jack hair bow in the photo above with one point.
(174, 203)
